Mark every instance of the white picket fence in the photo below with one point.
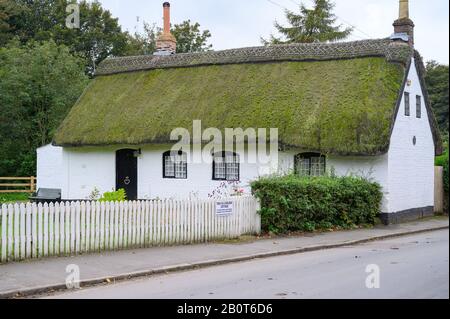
(35, 231)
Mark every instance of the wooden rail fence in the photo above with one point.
(18, 184)
(62, 229)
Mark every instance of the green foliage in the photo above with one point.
(9, 10)
(100, 34)
(190, 38)
(445, 165)
(440, 160)
(38, 84)
(293, 203)
(117, 196)
(188, 35)
(437, 84)
(337, 106)
(142, 43)
(13, 197)
(311, 25)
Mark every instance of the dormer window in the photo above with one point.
(310, 164)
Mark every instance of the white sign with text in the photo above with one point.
(224, 208)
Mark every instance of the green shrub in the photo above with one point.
(293, 203)
(440, 160)
(117, 196)
(445, 165)
(13, 197)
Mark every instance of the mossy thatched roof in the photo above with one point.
(337, 105)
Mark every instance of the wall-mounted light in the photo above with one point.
(137, 153)
(409, 82)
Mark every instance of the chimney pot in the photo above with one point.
(166, 43)
(404, 9)
(404, 25)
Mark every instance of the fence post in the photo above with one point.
(438, 189)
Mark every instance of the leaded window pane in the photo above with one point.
(169, 166)
(303, 166)
(232, 163)
(310, 164)
(175, 165)
(317, 166)
(226, 167)
(219, 168)
(181, 166)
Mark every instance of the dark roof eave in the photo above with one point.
(285, 147)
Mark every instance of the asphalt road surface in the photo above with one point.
(409, 267)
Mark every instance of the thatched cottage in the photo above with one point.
(353, 108)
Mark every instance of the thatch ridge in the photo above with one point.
(392, 51)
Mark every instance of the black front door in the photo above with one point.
(126, 172)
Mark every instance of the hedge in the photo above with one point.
(445, 165)
(446, 204)
(293, 203)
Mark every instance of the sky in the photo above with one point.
(242, 23)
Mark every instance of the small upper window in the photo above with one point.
(418, 106)
(175, 165)
(310, 164)
(407, 105)
(226, 166)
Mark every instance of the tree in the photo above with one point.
(9, 10)
(98, 37)
(190, 38)
(437, 84)
(142, 43)
(310, 25)
(39, 84)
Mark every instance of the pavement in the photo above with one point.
(46, 275)
(407, 267)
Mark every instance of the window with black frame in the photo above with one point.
(418, 106)
(175, 165)
(407, 105)
(226, 166)
(310, 164)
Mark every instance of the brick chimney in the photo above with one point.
(166, 44)
(404, 26)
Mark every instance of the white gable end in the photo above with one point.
(411, 166)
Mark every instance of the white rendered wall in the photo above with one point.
(49, 167)
(199, 183)
(411, 168)
(89, 168)
(86, 169)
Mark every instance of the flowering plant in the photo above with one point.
(227, 189)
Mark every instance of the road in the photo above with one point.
(410, 267)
